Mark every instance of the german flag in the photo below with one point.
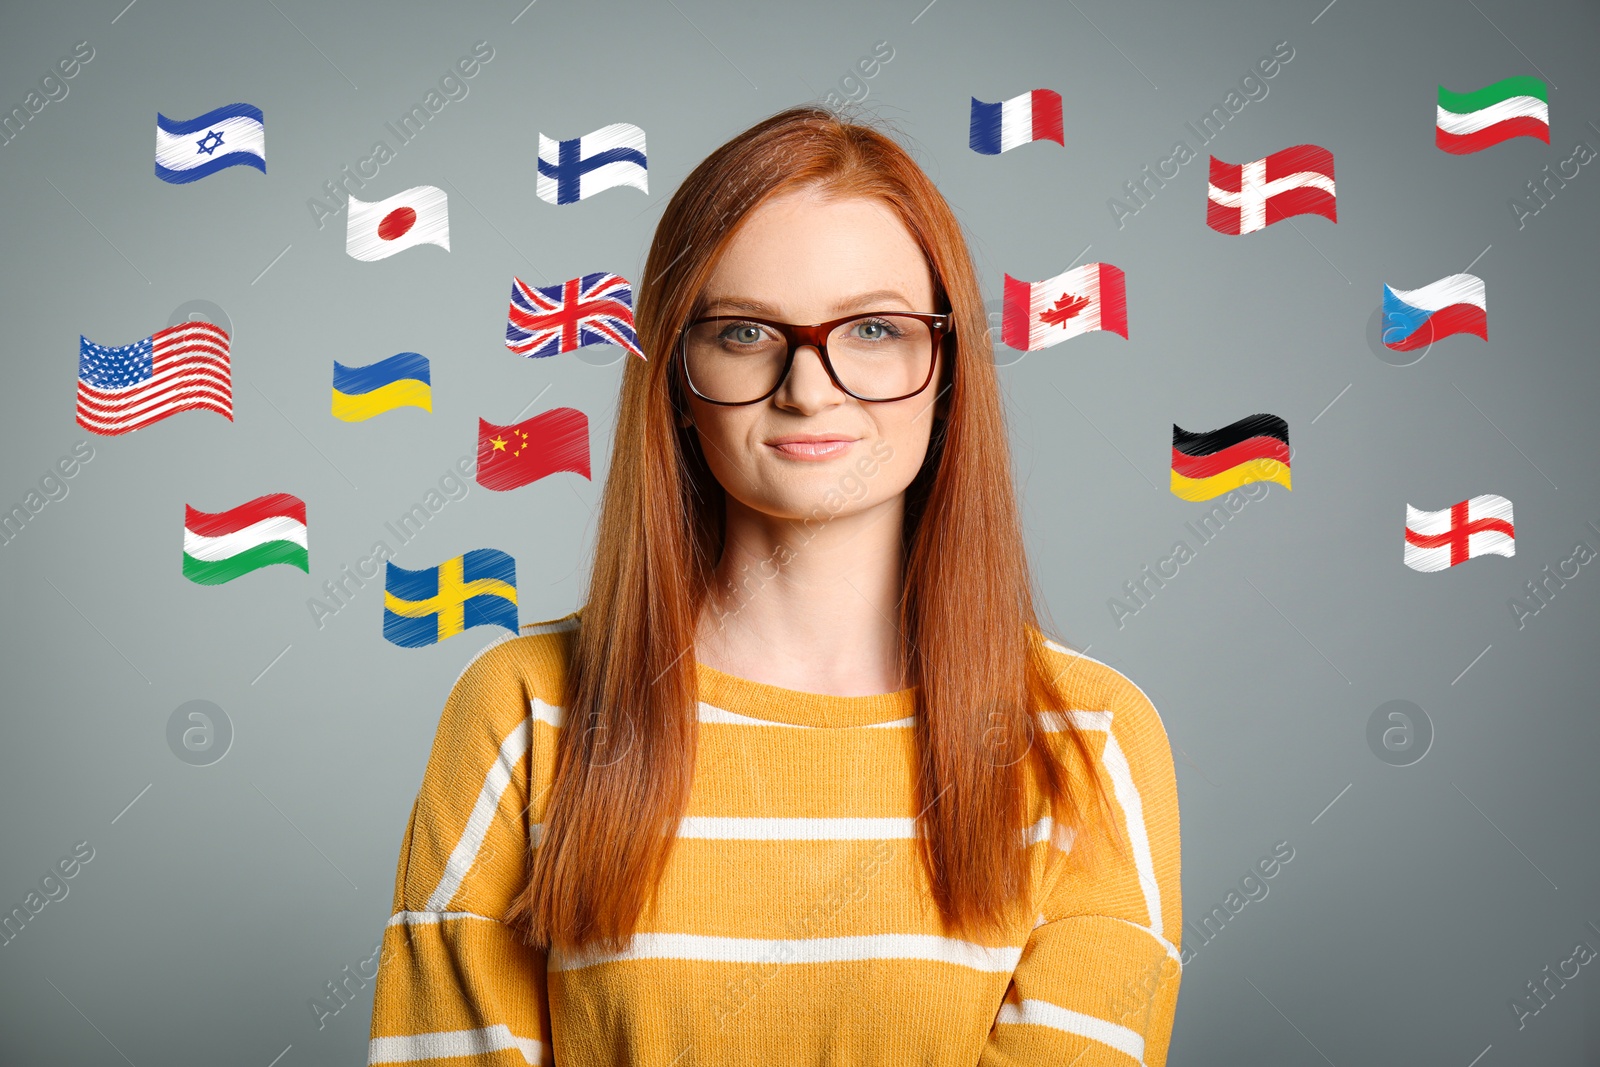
(1206, 465)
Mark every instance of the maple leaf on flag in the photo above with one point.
(1065, 308)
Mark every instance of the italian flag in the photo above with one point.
(220, 547)
(1471, 122)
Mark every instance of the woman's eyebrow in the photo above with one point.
(860, 300)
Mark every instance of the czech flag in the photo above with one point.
(1415, 318)
(1034, 116)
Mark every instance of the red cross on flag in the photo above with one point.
(1478, 527)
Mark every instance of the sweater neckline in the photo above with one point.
(794, 707)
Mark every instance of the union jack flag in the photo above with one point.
(596, 309)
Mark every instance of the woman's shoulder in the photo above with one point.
(1082, 684)
(528, 669)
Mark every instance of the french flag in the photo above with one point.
(1040, 314)
(1034, 116)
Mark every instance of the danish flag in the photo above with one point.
(1246, 197)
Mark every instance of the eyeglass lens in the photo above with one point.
(877, 357)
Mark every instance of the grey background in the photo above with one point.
(225, 897)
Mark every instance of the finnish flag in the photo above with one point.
(232, 136)
(579, 167)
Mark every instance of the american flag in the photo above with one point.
(180, 368)
(596, 309)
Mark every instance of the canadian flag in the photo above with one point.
(418, 216)
(1040, 314)
(1246, 197)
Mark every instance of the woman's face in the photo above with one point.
(801, 258)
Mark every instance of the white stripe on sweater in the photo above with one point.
(420, 918)
(465, 853)
(1124, 789)
(1000, 958)
(447, 1044)
(1044, 1013)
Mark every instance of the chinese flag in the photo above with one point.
(512, 456)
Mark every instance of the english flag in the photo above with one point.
(1478, 527)
(1040, 314)
(1246, 197)
(418, 216)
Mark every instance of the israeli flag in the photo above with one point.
(232, 136)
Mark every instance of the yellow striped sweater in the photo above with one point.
(794, 922)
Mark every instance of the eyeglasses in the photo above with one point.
(877, 357)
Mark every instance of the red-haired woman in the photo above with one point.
(803, 781)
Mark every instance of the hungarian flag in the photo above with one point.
(513, 456)
(1245, 197)
(1481, 526)
(220, 546)
(418, 216)
(1040, 314)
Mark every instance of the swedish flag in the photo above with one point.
(424, 607)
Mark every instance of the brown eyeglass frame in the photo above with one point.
(816, 335)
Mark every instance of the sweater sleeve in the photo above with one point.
(1097, 982)
(454, 982)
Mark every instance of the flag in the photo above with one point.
(1034, 116)
(180, 368)
(1471, 122)
(512, 456)
(1206, 465)
(1040, 314)
(579, 167)
(425, 607)
(1415, 318)
(400, 381)
(220, 547)
(1478, 527)
(232, 136)
(596, 309)
(1245, 197)
(418, 216)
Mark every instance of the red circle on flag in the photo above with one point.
(397, 223)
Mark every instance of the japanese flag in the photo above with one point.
(415, 217)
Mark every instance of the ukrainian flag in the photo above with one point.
(425, 607)
(399, 381)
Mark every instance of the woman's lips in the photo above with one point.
(812, 450)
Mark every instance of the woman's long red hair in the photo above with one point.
(627, 751)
